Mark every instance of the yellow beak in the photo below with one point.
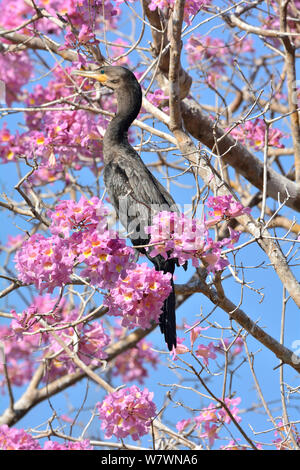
(100, 77)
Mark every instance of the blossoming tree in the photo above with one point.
(219, 125)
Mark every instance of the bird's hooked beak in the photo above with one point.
(94, 74)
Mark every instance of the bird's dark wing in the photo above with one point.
(136, 196)
(145, 186)
(134, 192)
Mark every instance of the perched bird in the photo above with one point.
(134, 192)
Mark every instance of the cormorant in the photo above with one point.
(134, 192)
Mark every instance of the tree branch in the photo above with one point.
(202, 128)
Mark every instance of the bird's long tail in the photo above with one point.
(167, 320)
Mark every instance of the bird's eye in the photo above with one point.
(114, 81)
(102, 71)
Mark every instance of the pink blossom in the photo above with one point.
(18, 347)
(231, 405)
(15, 71)
(13, 241)
(206, 48)
(131, 364)
(69, 138)
(79, 236)
(16, 439)
(127, 412)
(90, 344)
(157, 97)
(206, 352)
(10, 145)
(180, 349)
(216, 51)
(207, 414)
(210, 432)
(80, 445)
(272, 21)
(139, 297)
(253, 134)
(191, 6)
(224, 207)
(235, 349)
(91, 340)
(107, 258)
(74, 41)
(118, 50)
(45, 262)
(86, 214)
(195, 331)
(24, 321)
(183, 424)
(208, 418)
(175, 235)
(24, 343)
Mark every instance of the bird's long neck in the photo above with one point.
(129, 101)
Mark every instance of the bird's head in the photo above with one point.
(113, 77)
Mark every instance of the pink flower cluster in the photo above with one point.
(80, 238)
(191, 6)
(49, 262)
(224, 207)
(7, 144)
(139, 297)
(272, 21)
(80, 12)
(18, 356)
(78, 445)
(177, 236)
(19, 348)
(216, 51)
(89, 345)
(15, 71)
(211, 418)
(127, 412)
(74, 41)
(157, 97)
(106, 256)
(86, 215)
(208, 351)
(119, 49)
(68, 139)
(66, 133)
(252, 133)
(131, 364)
(73, 138)
(215, 54)
(18, 439)
(24, 337)
(45, 262)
